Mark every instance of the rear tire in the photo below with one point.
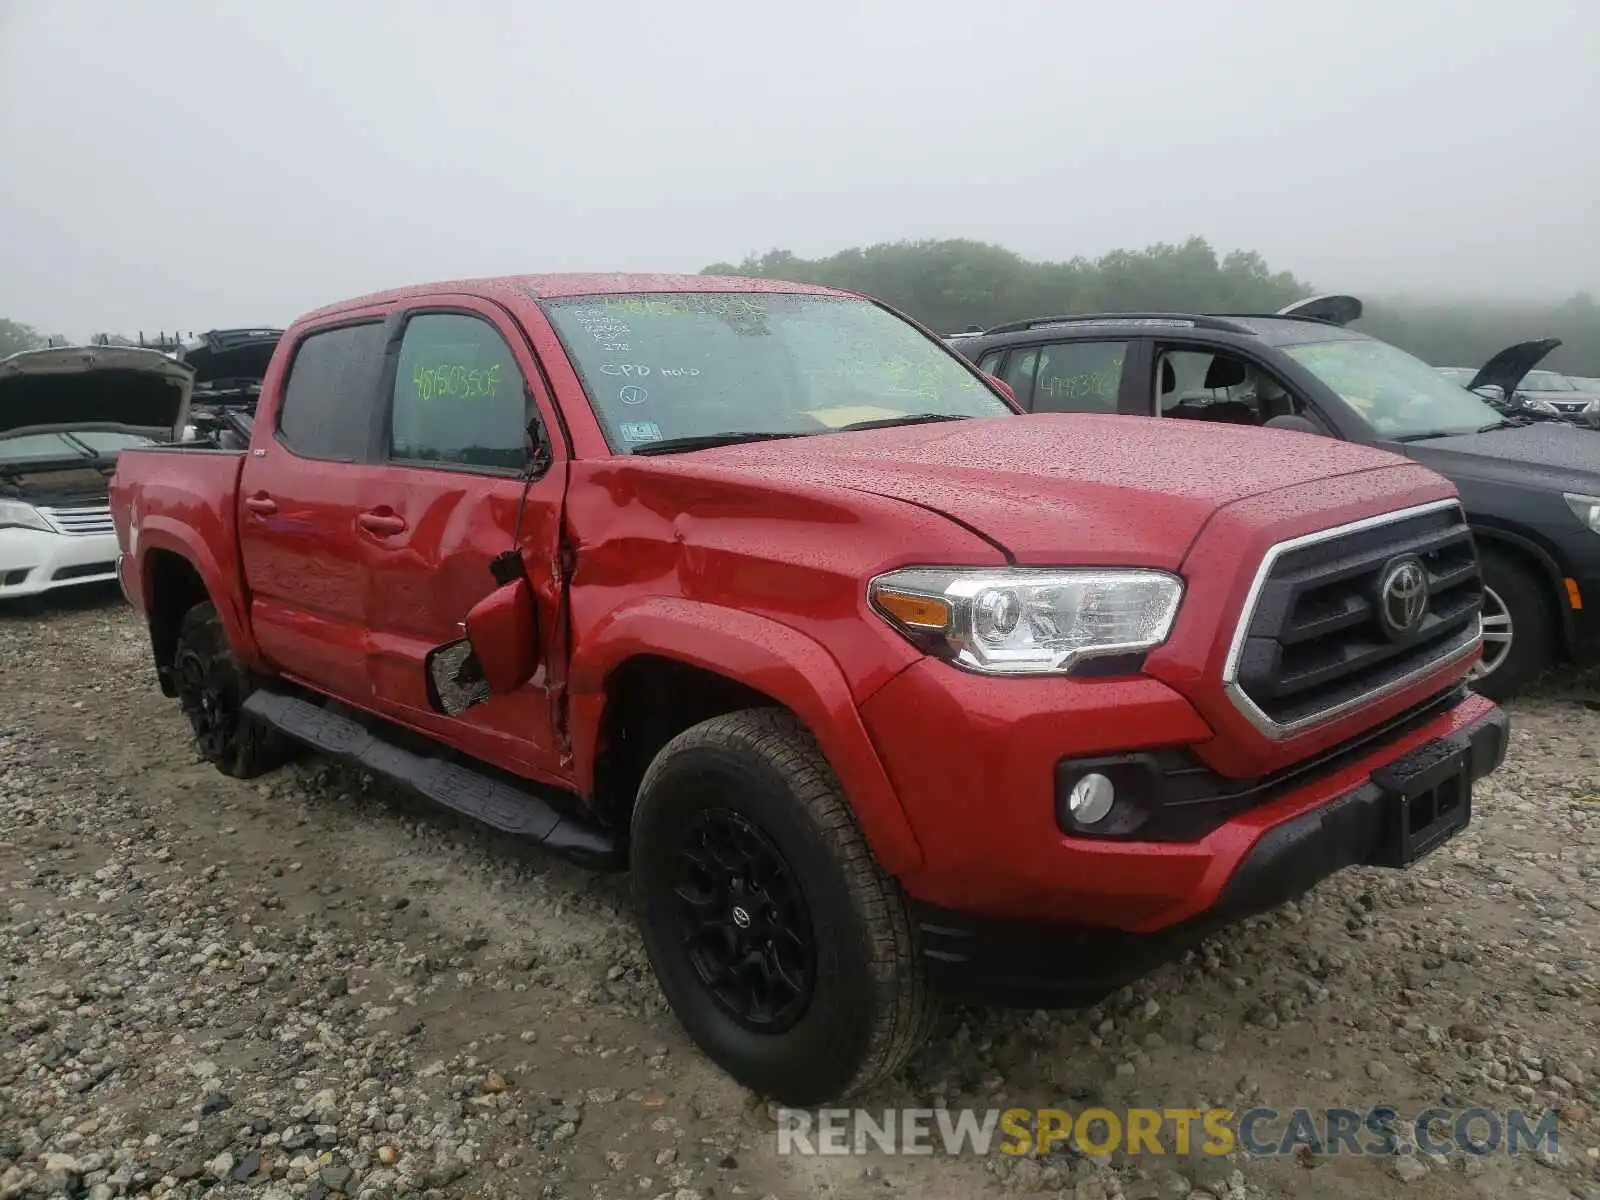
(1519, 628)
(783, 947)
(212, 687)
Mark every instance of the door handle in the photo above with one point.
(262, 504)
(382, 522)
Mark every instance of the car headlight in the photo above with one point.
(1585, 508)
(14, 514)
(1542, 406)
(1028, 621)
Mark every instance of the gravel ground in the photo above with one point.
(304, 986)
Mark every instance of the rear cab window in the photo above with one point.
(330, 393)
(458, 399)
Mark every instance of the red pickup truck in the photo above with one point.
(881, 690)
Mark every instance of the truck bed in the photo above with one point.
(184, 499)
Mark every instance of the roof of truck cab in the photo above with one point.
(548, 287)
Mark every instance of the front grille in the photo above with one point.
(1313, 642)
(85, 519)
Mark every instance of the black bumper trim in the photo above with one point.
(1169, 795)
(985, 960)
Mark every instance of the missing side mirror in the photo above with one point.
(499, 654)
(455, 678)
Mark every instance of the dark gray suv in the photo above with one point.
(1531, 487)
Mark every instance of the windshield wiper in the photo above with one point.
(907, 419)
(1425, 435)
(81, 446)
(705, 441)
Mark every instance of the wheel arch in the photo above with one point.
(176, 572)
(1541, 563)
(655, 668)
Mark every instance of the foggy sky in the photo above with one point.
(169, 164)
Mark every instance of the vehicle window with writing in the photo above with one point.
(458, 396)
(1079, 377)
(666, 366)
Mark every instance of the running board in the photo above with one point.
(519, 811)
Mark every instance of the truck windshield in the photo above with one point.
(1401, 397)
(669, 367)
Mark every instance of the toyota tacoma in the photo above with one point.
(881, 690)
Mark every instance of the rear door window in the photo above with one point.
(1079, 377)
(1019, 373)
(330, 395)
(459, 399)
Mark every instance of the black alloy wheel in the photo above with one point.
(744, 922)
(207, 700)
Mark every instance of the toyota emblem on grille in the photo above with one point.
(1403, 596)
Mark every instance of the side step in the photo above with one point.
(519, 811)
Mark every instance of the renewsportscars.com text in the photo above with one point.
(1261, 1132)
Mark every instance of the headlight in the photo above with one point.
(16, 515)
(1585, 508)
(1542, 406)
(1028, 621)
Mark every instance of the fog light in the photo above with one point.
(1091, 799)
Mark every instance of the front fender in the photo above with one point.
(760, 653)
(1554, 573)
(162, 533)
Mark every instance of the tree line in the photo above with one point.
(955, 284)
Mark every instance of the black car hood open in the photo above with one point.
(1554, 452)
(225, 354)
(1507, 369)
(127, 389)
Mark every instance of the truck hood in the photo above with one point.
(1132, 491)
(127, 389)
(1546, 453)
(1508, 368)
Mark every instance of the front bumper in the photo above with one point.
(974, 760)
(1044, 964)
(33, 561)
(1584, 622)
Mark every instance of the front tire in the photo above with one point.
(212, 687)
(783, 947)
(1519, 628)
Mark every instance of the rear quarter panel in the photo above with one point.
(184, 501)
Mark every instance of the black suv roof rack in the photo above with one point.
(1275, 316)
(1170, 319)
